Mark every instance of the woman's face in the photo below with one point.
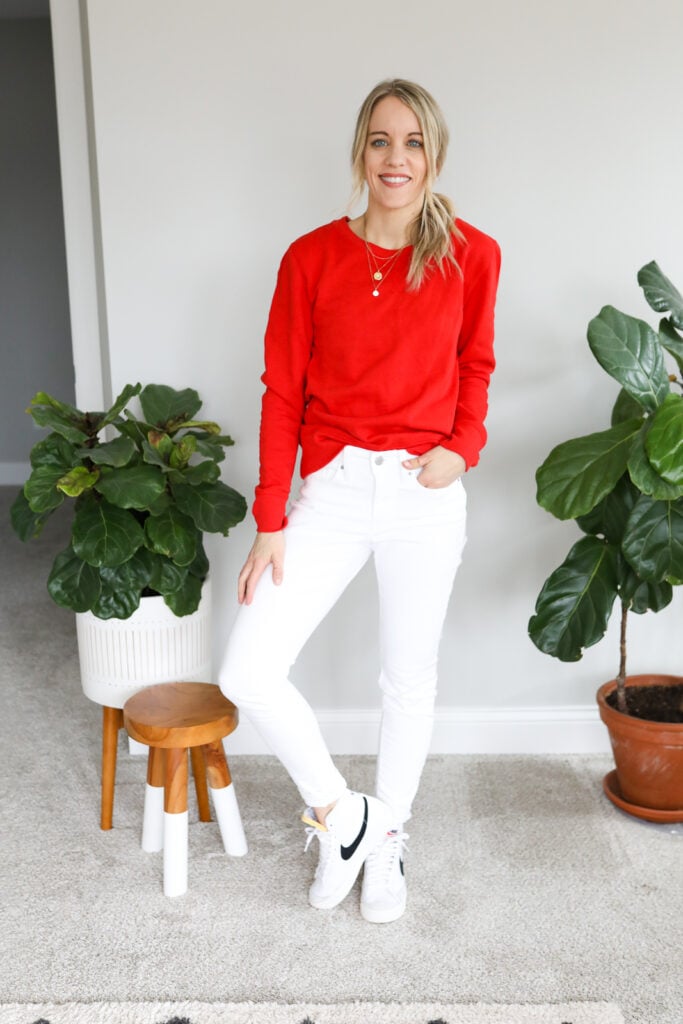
(395, 163)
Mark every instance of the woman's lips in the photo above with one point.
(394, 180)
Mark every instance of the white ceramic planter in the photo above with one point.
(120, 656)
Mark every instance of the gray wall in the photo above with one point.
(35, 339)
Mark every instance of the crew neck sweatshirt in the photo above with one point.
(401, 370)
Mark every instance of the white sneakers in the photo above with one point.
(353, 828)
(383, 896)
(357, 830)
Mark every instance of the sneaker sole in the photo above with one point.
(378, 915)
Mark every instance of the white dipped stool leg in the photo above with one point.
(229, 820)
(224, 800)
(175, 823)
(175, 854)
(153, 818)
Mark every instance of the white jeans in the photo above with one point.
(362, 503)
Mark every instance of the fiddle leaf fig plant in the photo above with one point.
(623, 486)
(141, 500)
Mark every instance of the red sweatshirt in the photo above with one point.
(405, 369)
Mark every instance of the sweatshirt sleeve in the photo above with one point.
(475, 350)
(288, 342)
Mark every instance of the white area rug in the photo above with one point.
(308, 1013)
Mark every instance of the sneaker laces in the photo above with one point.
(383, 861)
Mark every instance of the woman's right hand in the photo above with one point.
(267, 549)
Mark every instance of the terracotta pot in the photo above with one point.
(648, 755)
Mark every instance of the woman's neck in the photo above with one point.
(387, 229)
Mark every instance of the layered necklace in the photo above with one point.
(379, 266)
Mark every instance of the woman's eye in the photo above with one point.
(415, 143)
(376, 143)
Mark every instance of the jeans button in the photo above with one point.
(379, 460)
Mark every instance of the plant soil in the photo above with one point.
(654, 703)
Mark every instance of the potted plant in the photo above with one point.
(624, 488)
(135, 570)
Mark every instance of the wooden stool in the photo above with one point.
(112, 721)
(172, 718)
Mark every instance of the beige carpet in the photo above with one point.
(302, 1013)
(525, 885)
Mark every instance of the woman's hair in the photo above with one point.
(430, 232)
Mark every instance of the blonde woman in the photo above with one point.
(378, 353)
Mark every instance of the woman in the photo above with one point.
(378, 358)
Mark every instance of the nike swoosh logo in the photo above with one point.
(348, 851)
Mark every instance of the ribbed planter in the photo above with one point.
(648, 756)
(120, 656)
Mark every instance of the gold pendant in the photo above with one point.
(377, 275)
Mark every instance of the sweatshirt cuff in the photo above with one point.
(269, 514)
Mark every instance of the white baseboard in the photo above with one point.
(14, 473)
(575, 729)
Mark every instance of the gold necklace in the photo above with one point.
(380, 273)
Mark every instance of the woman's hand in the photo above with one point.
(439, 467)
(267, 549)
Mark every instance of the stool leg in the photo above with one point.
(112, 721)
(153, 818)
(199, 772)
(175, 823)
(224, 799)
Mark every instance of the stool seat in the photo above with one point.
(172, 715)
(172, 719)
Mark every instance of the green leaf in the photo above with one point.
(172, 534)
(54, 450)
(664, 442)
(77, 480)
(213, 507)
(210, 450)
(25, 522)
(132, 487)
(162, 405)
(73, 583)
(130, 391)
(200, 566)
(133, 428)
(660, 293)
(653, 540)
(166, 576)
(58, 416)
(186, 600)
(608, 518)
(625, 408)
(206, 426)
(122, 588)
(642, 596)
(103, 534)
(41, 488)
(152, 456)
(579, 473)
(644, 475)
(183, 451)
(574, 606)
(671, 340)
(160, 504)
(629, 350)
(203, 473)
(118, 452)
(161, 442)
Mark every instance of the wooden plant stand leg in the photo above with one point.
(224, 799)
(200, 788)
(175, 822)
(112, 721)
(153, 818)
